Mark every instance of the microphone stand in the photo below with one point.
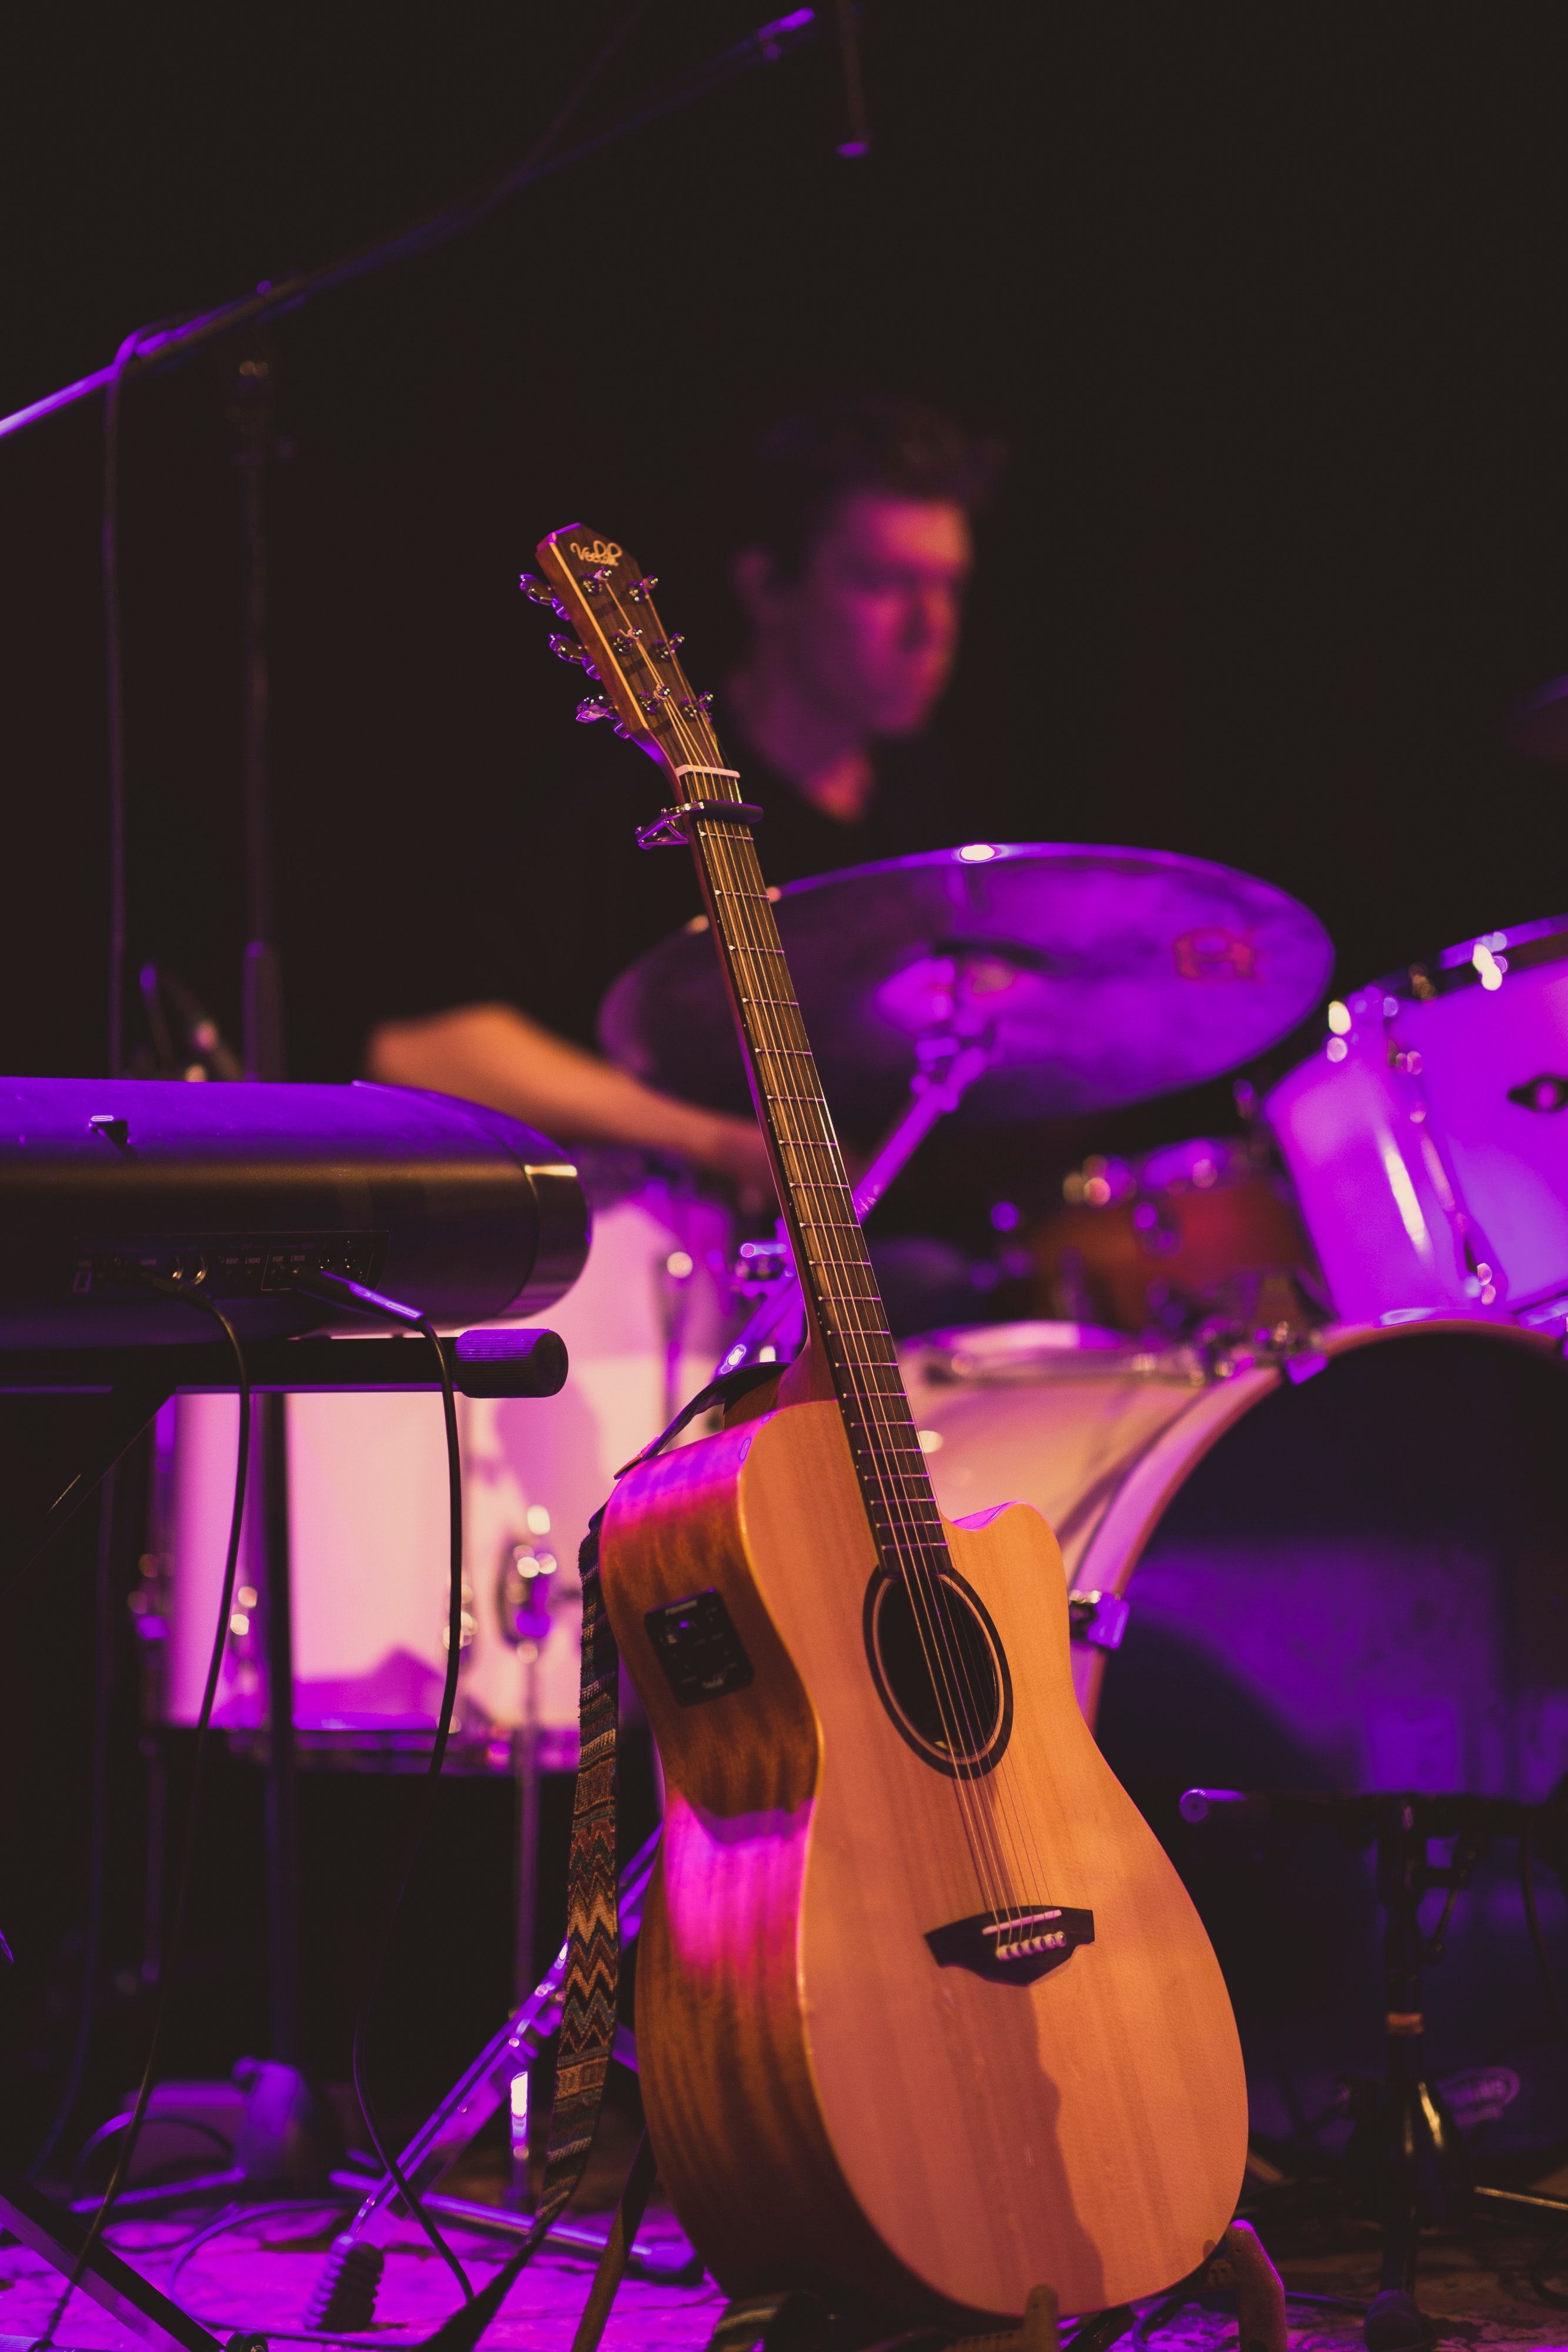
(288, 2134)
(152, 351)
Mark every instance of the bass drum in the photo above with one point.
(1352, 1572)
(369, 1514)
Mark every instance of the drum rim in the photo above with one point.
(1107, 1354)
(1524, 944)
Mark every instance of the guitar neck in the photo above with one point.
(835, 1268)
(594, 582)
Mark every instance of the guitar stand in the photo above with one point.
(799, 2322)
(1405, 2162)
(344, 2295)
(1238, 2270)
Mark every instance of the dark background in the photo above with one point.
(1267, 303)
(1268, 306)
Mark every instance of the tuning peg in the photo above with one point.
(641, 590)
(624, 642)
(538, 591)
(567, 649)
(664, 647)
(697, 706)
(591, 709)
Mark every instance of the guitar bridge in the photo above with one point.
(1012, 1946)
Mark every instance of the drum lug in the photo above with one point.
(1098, 1618)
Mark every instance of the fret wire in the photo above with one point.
(742, 916)
(773, 1012)
(893, 1477)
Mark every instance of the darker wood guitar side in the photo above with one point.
(726, 2077)
(829, 2106)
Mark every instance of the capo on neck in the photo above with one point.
(668, 828)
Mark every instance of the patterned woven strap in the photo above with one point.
(593, 1909)
(592, 1912)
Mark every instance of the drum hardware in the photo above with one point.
(1098, 1617)
(1406, 2163)
(946, 1066)
(525, 1610)
(1427, 1176)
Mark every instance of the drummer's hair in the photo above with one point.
(803, 465)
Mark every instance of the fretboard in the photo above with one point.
(831, 1254)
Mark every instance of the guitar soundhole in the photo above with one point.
(940, 1670)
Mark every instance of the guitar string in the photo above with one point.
(929, 1540)
(766, 1019)
(993, 1794)
(766, 1016)
(997, 1784)
(898, 1519)
(747, 940)
(780, 1033)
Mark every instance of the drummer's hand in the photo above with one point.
(734, 1148)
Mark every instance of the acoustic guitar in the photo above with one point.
(925, 2015)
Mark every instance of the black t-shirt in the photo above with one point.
(548, 910)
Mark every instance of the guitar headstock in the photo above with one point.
(596, 585)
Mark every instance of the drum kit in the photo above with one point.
(1303, 1380)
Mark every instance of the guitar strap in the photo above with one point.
(592, 1908)
(592, 1916)
(593, 1904)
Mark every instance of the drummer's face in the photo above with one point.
(871, 624)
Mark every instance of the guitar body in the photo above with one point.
(829, 2106)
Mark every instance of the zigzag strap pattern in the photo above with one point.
(593, 1956)
(592, 1916)
(593, 1909)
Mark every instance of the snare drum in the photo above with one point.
(1429, 1138)
(1354, 1578)
(369, 1511)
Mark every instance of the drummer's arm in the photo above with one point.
(494, 1054)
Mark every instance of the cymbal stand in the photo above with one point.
(1407, 2161)
(947, 1067)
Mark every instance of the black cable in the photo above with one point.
(235, 2217)
(166, 2116)
(204, 1723)
(102, 1677)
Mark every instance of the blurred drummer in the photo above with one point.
(852, 569)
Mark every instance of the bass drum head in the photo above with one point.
(1362, 1583)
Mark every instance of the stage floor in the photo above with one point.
(258, 2277)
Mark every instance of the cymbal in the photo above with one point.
(1100, 977)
